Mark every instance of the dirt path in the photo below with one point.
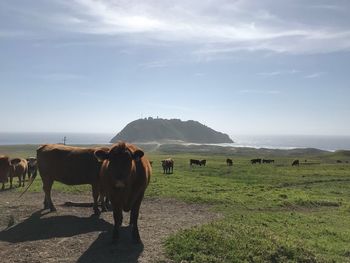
(72, 235)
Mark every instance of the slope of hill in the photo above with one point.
(148, 130)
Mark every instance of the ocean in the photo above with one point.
(329, 143)
(43, 138)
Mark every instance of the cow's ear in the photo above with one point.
(15, 161)
(137, 155)
(101, 154)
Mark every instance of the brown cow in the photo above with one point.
(19, 169)
(168, 166)
(125, 175)
(5, 167)
(68, 165)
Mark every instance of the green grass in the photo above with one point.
(271, 212)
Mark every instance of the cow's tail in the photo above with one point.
(30, 183)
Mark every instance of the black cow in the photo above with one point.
(32, 167)
(196, 162)
(229, 162)
(268, 161)
(203, 162)
(295, 163)
(253, 161)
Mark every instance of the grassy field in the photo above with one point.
(271, 212)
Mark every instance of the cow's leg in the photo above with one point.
(118, 219)
(104, 201)
(11, 178)
(134, 215)
(19, 180)
(47, 185)
(95, 194)
(3, 186)
(23, 179)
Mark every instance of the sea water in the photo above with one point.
(329, 143)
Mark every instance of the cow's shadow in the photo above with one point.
(37, 227)
(103, 250)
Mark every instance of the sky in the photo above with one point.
(239, 67)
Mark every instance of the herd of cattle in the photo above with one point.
(119, 173)
(17, 167)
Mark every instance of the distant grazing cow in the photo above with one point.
(295, 163)
(254, 161)
(339, 161)
(229, 162)
(20, 168)
(347, 161)
(68, 165)
(268, 161)
(32, 167)
(203, 162)
(168, 166)
(196, 162)
(125, 175)
(5, 167)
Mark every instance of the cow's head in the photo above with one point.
(15, 161)
(119, 160)
(5, 166)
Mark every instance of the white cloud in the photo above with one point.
(278, 73)
(314, 75)
(255, 91)
(211, 28)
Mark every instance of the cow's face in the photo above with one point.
(15, 161)
(119, 162)
(31, 161)
(4, 168)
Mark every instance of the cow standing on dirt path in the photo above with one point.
(68, 165)
(19, 169)
(32, 167)
(125, 175)
(5, 166)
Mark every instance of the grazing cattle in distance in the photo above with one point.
(125, 175)
(229, 162)
(339, 161)
(68, 165)
(194, 161)
(168, 166)
(203, 162)
(254, 161)
(5, 167)
(19, 169)
(295, 163)
(268, 161)
(32, 167)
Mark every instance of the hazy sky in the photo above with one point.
(267, 67)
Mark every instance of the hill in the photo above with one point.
(148, 130)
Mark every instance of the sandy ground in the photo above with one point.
(73, 234)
